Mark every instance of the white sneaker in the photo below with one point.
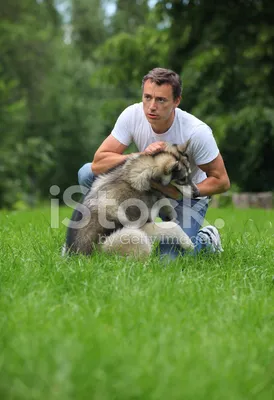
(210, 234)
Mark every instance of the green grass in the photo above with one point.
(110, 328)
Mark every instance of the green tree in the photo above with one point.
(224, 52)
(129, 16)
(24, 37)
(88, 22)
(71, 118)
(50, 118)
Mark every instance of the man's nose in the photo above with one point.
(152, 104)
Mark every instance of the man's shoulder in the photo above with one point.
(190, 120)
(135, 109)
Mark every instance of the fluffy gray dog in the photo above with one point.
(117, 213)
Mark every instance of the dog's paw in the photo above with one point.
(185, 242)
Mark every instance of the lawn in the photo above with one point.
(106, 328)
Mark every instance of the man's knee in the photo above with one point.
(85, 175)
(191, 215)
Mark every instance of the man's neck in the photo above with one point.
(163, 127)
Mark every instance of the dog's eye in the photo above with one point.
(177, 168)
(184, 180)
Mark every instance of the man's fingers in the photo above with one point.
(155, 147)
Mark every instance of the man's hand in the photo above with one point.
(155, 147)
(190, 191)
(168, 191)
(177, 192)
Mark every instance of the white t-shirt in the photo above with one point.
(132, 126)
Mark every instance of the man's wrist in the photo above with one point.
(195, 191)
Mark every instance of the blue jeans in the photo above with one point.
(190, 214)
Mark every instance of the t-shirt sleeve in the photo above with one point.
(204, 148)
(122, 130)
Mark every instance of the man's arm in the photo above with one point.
(217, 180)
(108, 155)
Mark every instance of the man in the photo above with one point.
(149, 125)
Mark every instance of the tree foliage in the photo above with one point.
(68, 69)
(88, 25)
(224, 52)
(129, 16)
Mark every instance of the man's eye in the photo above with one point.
(161, 100)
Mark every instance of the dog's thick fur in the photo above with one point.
(124, 185)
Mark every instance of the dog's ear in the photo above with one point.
(182, 148)
(171, 166)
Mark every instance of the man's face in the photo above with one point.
(158, 102)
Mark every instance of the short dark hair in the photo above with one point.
(160, 76)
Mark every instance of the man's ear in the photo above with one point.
(171, 166)
(177, 101)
